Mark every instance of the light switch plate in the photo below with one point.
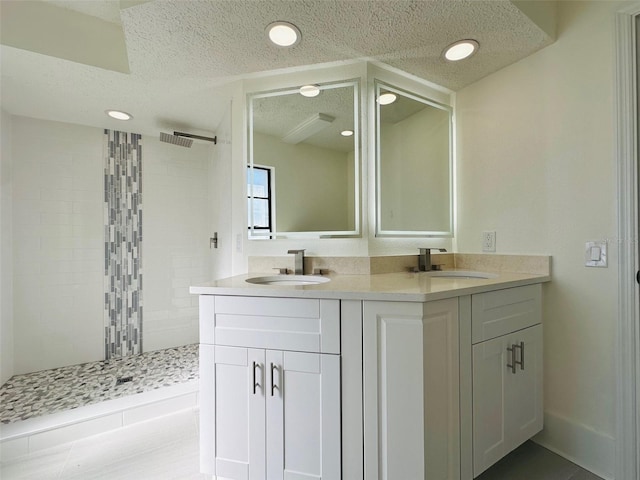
(595, 254)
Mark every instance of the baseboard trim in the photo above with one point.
(578, 443)
(28, 436)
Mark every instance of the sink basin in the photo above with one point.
(461, 274)
(289, 280)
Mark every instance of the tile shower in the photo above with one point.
(60, 300)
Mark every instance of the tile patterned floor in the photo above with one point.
(50, 391)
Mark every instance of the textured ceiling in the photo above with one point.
(182, 52)
(204, 38)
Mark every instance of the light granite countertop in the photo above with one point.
(401, 287)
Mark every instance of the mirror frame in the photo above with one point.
(357, 141)
(379, 232)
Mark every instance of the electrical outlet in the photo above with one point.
(488, 241)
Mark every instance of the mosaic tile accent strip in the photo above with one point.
(49, 391)
(123, 244)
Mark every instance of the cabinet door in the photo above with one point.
(490, 372)
(303, 416)
(507, 405)
(411, 390)
(524, 401)
(239, 419)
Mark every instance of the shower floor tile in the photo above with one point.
(49, 391)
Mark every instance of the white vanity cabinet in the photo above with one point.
(270, 388)
(507, 372)
(411, 390)
(384, 387)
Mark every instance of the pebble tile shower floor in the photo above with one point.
(50, 391)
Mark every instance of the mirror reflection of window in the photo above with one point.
(260, 199)
(414, 179)
(312, 142)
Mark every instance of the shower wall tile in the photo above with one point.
(26, 190)
(181, 334)
(177, 218)
(123, 244)
(53, 172)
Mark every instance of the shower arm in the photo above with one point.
(197, 137)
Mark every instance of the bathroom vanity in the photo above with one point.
(389, 376)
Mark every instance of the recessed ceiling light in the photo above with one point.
(460, 50)
(346, 133)
(118, 115)
(283, 34)
(386, 98)
(309, 91)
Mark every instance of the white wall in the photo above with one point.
(536, 164)
(58, 244)
(6, 250)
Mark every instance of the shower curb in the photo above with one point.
(28, 436)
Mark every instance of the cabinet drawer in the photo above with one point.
(504, 311)
(304, 325)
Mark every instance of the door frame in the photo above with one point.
(627, 464)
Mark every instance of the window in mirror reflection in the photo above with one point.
(413, 164)
(316, 189)
(260, 199)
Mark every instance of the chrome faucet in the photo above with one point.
(298, 262)
(424, 259)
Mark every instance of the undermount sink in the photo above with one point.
(461, 274)
(289, 280)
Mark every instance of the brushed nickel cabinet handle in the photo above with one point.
(521, 362)
(512, 351)
(255, 384)
(273, 385)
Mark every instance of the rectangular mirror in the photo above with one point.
(414, 193)
(303, 166)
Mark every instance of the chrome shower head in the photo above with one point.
(176, 140)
